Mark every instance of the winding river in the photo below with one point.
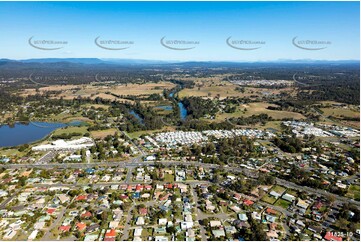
(182, 110)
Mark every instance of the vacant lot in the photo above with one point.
(221, 90)
(142, 89)
(250, 109)
(101, 134)
(96, 106)
(137, 134)
(217, 87)
(340, 112)
(292, 192)
(282, 203)
(73, 91)
(278, 189)
(168, 177)
(354, 192)
(258, 108)
(268, 199)
(68, 130)
(11, 152)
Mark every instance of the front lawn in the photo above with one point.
(278, 189)
(268, 199)
(354, 192)
(282, 203)
(168, 177)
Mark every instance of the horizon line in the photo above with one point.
(179, 61)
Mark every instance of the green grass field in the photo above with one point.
(11, 152)
(268, 199)
(168, 177)
(278, 189)
(137, 134)
(68, 130)
(282, 203)
(257, 108)
(338, 112)
(147, 232)
(270, 125)
(106, 107)
(292, 192)
(354, 192)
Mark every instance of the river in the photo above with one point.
(182, 110)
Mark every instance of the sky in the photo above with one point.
(205, 25)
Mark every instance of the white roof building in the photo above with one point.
(82, 143)
(33, 235)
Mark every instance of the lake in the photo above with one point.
(25, 133)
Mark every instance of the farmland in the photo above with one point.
(246, 110)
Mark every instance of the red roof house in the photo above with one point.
(317, 206)
(139, 187)
(169, 186)
(80, 198)
(270, 211)
(143, 211)
(110, 235)
(81, 226)
(148, 187)
(237, 196)
(86, 215)
(50, 211)
(64, 228)
(248, 202)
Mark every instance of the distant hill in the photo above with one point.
(71, 60)
(72, 63)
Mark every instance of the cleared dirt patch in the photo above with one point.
(101, 134)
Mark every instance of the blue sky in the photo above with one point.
(209, 23)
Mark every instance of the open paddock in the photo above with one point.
(257, 108)
(73, 91)
(101, 134)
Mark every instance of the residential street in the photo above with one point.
(172, 163)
